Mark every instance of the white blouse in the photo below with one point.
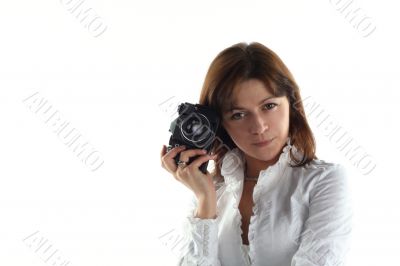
(302, 216)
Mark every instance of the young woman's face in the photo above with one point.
(256, 117)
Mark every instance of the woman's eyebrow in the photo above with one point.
(235, 107)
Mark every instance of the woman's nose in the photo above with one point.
(258, 125)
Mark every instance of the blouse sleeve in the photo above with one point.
(326, 235)
(201, 240)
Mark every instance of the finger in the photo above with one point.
(185, 155)
(168, 160)
(173, 152)
(202, 159)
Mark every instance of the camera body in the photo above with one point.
(196, 128)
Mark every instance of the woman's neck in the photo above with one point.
(253, 166)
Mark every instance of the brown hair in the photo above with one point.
(244, 61)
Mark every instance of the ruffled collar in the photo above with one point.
(233, 162)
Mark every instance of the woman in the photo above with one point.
(270, 200)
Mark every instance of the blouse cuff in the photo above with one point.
(204, 236)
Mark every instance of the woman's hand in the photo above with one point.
(190, 175)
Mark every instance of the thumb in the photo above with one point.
(163, 150)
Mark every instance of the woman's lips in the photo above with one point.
(263, 143)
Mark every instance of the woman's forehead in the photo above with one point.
(250, 91)
(234, 96)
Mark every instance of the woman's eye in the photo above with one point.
(270, 105)
(267, 106)
(236, 116)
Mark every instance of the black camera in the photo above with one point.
(196, 128)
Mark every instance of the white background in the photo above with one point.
(110, 88)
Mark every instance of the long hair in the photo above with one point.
(239, 63)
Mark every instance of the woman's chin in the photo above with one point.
(264, 153)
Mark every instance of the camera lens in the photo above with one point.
(197, 129)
